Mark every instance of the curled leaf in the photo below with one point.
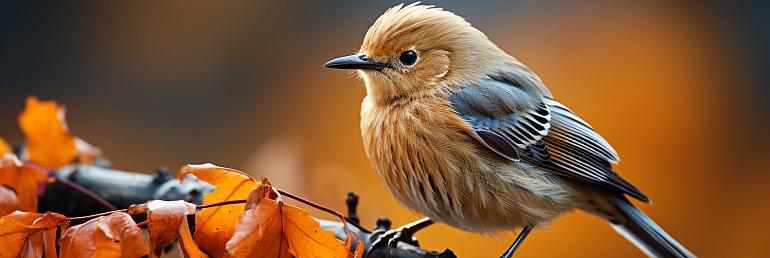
(164, 219)
(187, 246)
(259, 232)
(27, 234)
(24, 179)
(8, 201)
(271, 228)
(78, 241)
(115, 235)
(137, 209)
(49, 142)
(215, 226)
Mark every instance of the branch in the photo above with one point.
(118, 188)
(104, 203)
(122, 189)
(402, 250)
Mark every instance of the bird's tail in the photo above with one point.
(644, 233)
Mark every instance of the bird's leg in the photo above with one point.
(402, 234)
(516, 243)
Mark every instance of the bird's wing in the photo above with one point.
(537, 129)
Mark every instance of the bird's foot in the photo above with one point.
(386, 240)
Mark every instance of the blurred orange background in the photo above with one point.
(680, 90)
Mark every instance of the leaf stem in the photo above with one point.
(96, 215)
(203, 206)
(330, 211)
(104, 203)
(113, 209)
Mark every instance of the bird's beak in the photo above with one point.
(356, 62)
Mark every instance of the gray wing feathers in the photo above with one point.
(569, 127)
(497, 99)
(503, 111)
(538, 129)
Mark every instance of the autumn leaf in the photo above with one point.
(119, 228)
(163, 221)
(307, 238)
(49, 142)
(24, 179)
(4, 147)
(27, 234)
(187, 246)
(115, 235)
(215, 226)
(271, 228)
(78, 241)
(8, 201)
(259, 232)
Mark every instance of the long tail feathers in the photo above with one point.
(645, 234)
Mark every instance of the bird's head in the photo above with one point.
(415, 50)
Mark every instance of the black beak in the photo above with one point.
(356, 62)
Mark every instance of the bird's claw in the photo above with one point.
(391, 238)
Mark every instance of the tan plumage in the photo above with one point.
(411, 134)
(464, 133)
(424, 154)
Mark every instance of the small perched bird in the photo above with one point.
(467, 135)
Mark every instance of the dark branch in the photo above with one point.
(122, 189)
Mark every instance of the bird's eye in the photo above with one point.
(408, 58)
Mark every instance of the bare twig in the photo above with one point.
(203, 206)
(330, 211)
(101, 201)
(87, 217)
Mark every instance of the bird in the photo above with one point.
(464, 133)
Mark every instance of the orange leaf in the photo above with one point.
(120, 228)
(271, 228)
(4, 147)
(78, 241)
(49, 142)
(307, 238)
(115, 235)
(259, 232)
(164, 219)
(8, 201)
(26, 234)
(187, 245)
(22, 178)
(215, 226)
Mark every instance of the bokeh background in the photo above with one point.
(681, 90)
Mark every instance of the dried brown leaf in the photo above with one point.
(24, 179)
(271, 228)
(27, 234)
(163, 221)
(115, 235)
(259, 232)
(187, 246)
(8, 201)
